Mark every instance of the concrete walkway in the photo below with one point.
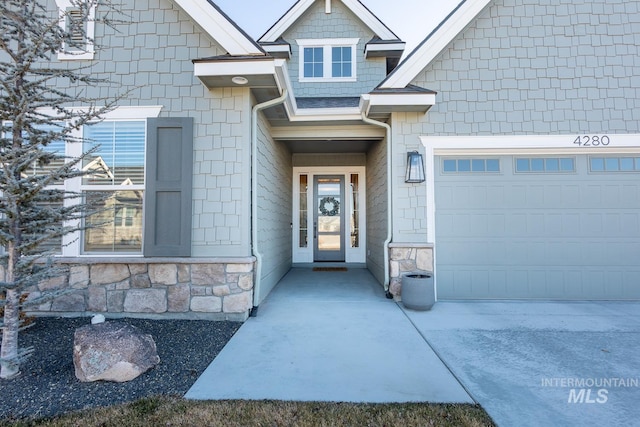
(542, 363)
(329, 336)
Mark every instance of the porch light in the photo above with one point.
(415, 167)
(239, 80)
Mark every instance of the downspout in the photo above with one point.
(254, 191)
(389, 200)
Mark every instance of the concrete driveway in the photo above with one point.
(542, 363)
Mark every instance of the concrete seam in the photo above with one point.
(438, 354)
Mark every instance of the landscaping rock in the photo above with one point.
(112, 351)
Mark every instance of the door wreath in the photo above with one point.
(335, 209)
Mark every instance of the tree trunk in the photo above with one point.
(10, 365)
(9, 352)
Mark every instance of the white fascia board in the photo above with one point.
(402, 99)
(284, 83)
(233, 68)
(328, 113)
(370, 20)
(118, 113)
(279, 48)
(219, 27)
(381, 47)
(286, 21)
(364, 14)
(509, 143)
(434, 44)
(363, 132)
(374, 100)
(325, 114)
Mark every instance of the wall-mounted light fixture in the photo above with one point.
(415, 167)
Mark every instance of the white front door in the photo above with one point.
(329, 220)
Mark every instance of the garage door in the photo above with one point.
(565, 227)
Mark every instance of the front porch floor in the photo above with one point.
(329, 336)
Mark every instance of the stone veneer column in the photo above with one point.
(408, 258)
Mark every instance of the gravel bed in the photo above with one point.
(48, 386)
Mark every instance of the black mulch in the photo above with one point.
(47, 385)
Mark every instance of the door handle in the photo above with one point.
(315, 230)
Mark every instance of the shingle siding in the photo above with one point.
(341, 23)
(525, 67)
(409, 200)
(540, 67)
(377, 208)
(151, 55)
(275, 175)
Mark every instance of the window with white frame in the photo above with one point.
(114, 186)
(78, 19)
(327, 60)
(56, 150)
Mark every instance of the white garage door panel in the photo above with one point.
(541, 236)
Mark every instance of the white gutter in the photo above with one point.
(389, 200)
(254, 189)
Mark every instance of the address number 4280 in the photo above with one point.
(592, 140)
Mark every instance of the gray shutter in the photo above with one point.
(167, 225)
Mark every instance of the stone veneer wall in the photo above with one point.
(408, 258)
(213, 289)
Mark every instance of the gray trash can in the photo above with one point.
(417, 291)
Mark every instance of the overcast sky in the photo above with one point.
(411, 20)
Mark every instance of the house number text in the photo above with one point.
(592, 140)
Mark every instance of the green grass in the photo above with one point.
(175, 411)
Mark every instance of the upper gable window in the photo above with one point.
(78, 19)
(327, 60)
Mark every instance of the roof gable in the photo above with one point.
(219, 26)
(298, 9)
(434, 43)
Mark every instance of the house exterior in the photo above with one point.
(235, 159)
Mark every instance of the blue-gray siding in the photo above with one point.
(540, 67)
(341, 23)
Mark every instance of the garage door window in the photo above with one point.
(615, 164)
(471, 165)
(545, 165)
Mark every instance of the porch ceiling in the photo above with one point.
(329, 146)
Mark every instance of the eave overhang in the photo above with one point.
(380, 103)
(278, 49)
(377, 48)
(271, 73)
(227, 71)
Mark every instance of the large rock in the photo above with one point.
(112, 351)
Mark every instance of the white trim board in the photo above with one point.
(298, 9)
(305, 255)
(218, 26)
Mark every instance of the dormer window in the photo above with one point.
(327, 60)
(79, 22)
(313, 62)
